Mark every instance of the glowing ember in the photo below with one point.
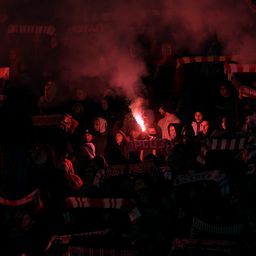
(140, 121)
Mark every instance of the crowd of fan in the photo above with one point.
(76, 156)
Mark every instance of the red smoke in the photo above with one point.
(101, 33)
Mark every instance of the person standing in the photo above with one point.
(167, 118)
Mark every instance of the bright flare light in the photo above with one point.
(140, 121)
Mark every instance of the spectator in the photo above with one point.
(174, 132)
(86, 150)
(166, 120)
(50, 102)
(206, 130)
(101, 135)
(109, 110)
(196, 124)
(82, 107)
(117, 150)
(68, 182)
(227, 102)
(226, 128)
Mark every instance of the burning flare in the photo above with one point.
(139, 120)
(136, 108)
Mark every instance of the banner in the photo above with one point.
(147, 144)
(31, 29)
(139, 168)
(245, 91)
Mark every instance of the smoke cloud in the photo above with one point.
(101, 38)
(230, 20)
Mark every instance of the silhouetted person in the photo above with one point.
(16, 135)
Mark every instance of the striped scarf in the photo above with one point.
(32, 197)
(104, 203)
(65, 239)
(230, 69)
(202, 176)
(220, 178)
(197, 59)
(199, 227)
(19, 215)
(242, 143)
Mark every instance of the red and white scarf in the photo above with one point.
(197, 59)
(104, 203)
(230, 69)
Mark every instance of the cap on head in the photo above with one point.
(88, 131)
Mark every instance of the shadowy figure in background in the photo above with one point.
(249, 124)
(51, 102)
(109, 110)
(68, 183)
(182, 157)
(16, 138)
(226, 128)
(226, 103)
(117, 150)
(82, 107)
(164, 77)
